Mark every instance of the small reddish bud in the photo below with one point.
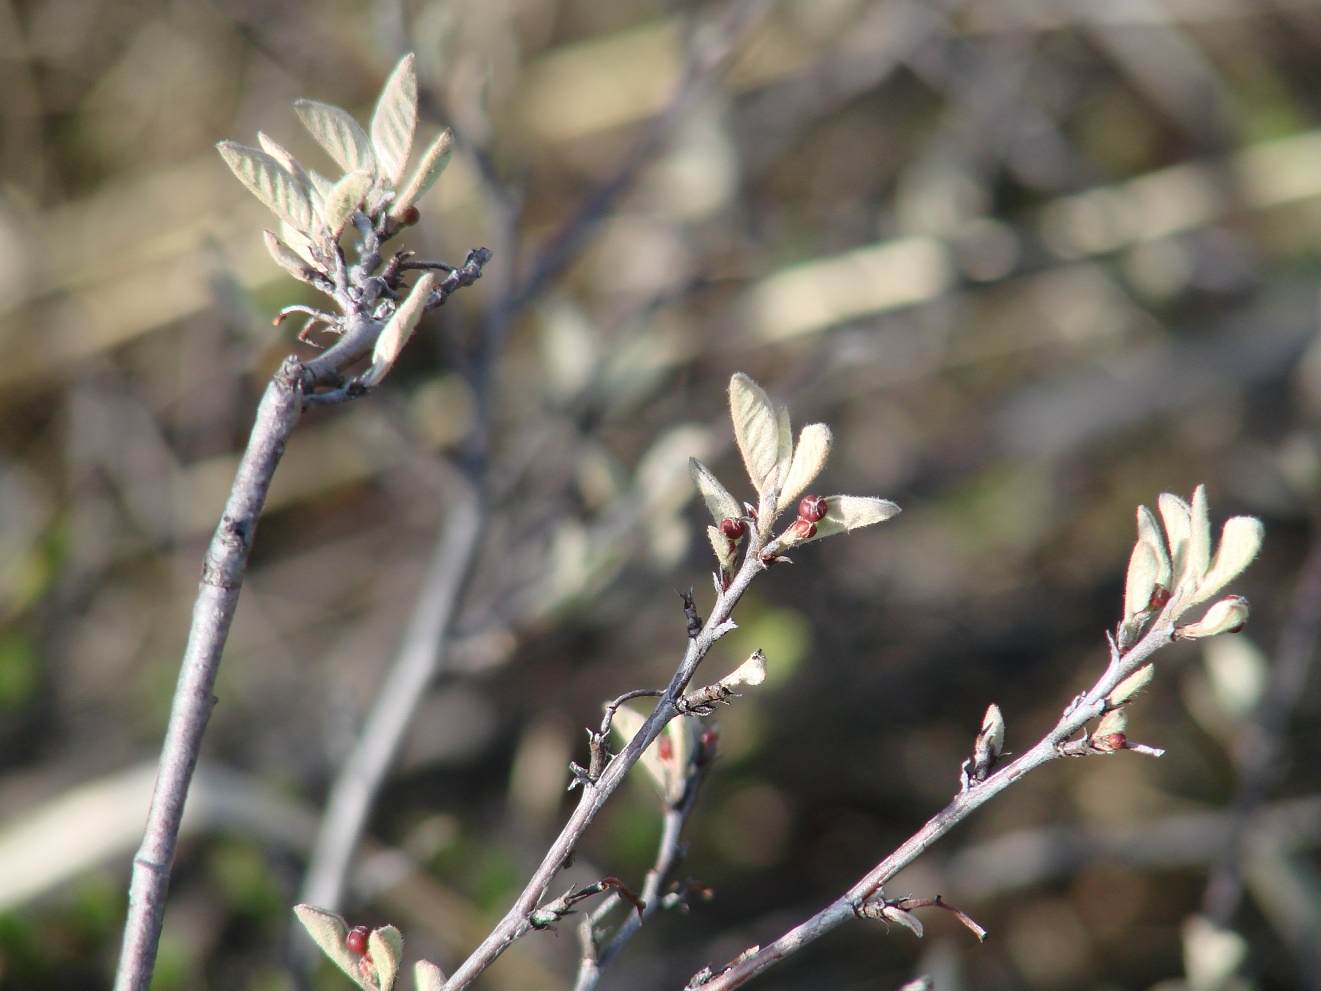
(1113, 741)
(733, 529)
(410, 216)
(356, 940)
(803, 529)
(812, 509)
(665, 747)
(1159, 596)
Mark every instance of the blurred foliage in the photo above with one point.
(1034, 262)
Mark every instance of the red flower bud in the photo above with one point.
(732, 528)
(356, 940)
(1159, 596)
(410, 216)
(665, 747)
(1113, 741)
(812, 509)
(803, 529)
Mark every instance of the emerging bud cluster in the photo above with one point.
(780, 471)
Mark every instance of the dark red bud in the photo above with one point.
(1114, 741)
(1159, 596)
(803, 529)
(733, 529)
(410, 216)
(665, 748)
(812, 509)
(356, 940)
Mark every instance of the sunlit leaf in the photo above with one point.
(1127, 689)
(433, 163)
(330, 933)
(755, 429)
(395, 120)
(269, 182)
(398, 330)
(427, 976)
(336, 131)
(385, 946)
(1148, 566)
(1227, 616)
(1240, 540)
(809, 457)
(345, 197)
(287, 258)
(722, 505)
(845, 513)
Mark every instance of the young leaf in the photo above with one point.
(1176, 515)
(301, 244)
(722, 505)
(386, 948)
(428, 171)
(399, 329)
(1127, 689)
(345, 197)
(1148, 566)
(756, 430)
(336, 131)
(784, 445)
(845, 512)
(1240, 539)
(282, 155)
(395, 119)
(1199, 543)
(269, 182)
(427, 976)
(288, 259)
(330, 933)
(723, 547)
(809, 457)
(1227, 616)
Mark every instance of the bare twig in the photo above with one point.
(1088, 707)
(669, 852)
(517, 920)
(217, 598)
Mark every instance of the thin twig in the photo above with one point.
(669, 852)
(1087, 708)
(595, 793)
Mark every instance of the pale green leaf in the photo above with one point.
(1240, 540)
(287, 258)
(1227, 616)
(723, 547)
(1127, 689)
(809, 457)
(784, 446)
(1199, 543)
(427, 976)
(282, 155)
(386, 948)
(845, 513)
(1148, 566)
(268, 180)
(345, 197)
(1175, 513)
(721, 504)
(330, 933)
(755, 429)
(336, 131)
(395, 120)
(433, 163)
(398, 330)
